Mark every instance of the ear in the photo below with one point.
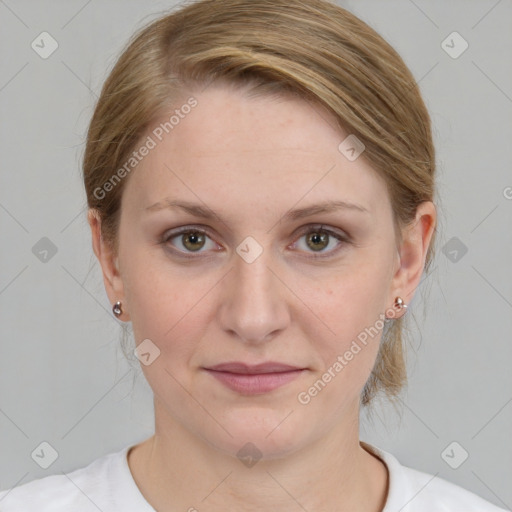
(416, 238)
(109, 263)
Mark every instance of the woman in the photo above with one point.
(260, 178)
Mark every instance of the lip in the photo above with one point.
(243, 368)
(254, 379)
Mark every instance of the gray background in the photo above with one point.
(63, 376)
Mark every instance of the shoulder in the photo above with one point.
(55, 492)
(411, 490)
(433, 491)
(82, 490)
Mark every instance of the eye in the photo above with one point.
(318, 239)
(189, 240)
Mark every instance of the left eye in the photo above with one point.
(318, 239)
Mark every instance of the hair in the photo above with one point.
(312, 49)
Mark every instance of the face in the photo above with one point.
(251, 271)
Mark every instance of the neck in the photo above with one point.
(176, 470)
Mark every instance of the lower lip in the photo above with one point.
(254, 384)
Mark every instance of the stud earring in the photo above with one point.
(399, 303)
(116, 309)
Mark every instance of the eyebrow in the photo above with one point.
(203, 212)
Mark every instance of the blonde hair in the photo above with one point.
(313, 49)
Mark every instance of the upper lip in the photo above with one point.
(238, 367)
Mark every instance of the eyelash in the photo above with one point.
(318, 228)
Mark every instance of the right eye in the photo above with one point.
(189, 240)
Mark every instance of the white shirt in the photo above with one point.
(107, 484)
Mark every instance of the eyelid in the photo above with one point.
(326, 228)
(171, 233)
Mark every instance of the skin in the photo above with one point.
(250, 160)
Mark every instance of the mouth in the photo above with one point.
(254, 379)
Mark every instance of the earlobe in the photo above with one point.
(416, 239)
(108, 261)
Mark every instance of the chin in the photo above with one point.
(264, 434)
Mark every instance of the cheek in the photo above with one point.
(345, 344)
(166, 305)
(350, 318)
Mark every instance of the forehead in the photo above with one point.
(273, 149)
(233, 119)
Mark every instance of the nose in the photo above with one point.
(254, 301)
